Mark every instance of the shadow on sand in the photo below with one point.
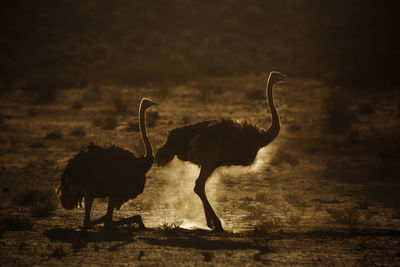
(72, 235)
(199, 243)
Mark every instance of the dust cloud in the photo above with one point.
(178, 203)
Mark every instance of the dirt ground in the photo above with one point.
(315, 196)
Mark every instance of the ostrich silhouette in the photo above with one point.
(110, 172)
(222, 142)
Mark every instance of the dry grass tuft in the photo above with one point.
(106, 123)
(340, 116)
(78, 131)
(92, 94)
(32, 197)
(44, 209)
(170, 227)
(285, 157)
(348, 216)
(16, 224)
(255, 94)
(133, 127)
(365, 109)
(54, 135)
(77, 105)
(151, 118)
(118, 101)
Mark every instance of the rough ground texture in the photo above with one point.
(323, 193)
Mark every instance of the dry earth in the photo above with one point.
(305, 201)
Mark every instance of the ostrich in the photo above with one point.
(222, 142)
(107, 172)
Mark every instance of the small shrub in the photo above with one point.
(44, 209)
(340, 116)
(54, 135)
(219, 90)
(118, 101)
(285, 157)
(261, 197)
(347, 216)
(93, 94)
(255, 94)
(32, 197)
(294, 220)
(151, 118)
(186, 119)
(77, 105)
(365, 109)
(16, 224)
(58, 252)
(78, 131)
(133, 127)
(268, 225)
(37, 145)
(107, 123)
(294, 128)
(170, 227)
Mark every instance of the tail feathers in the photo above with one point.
(164, 155)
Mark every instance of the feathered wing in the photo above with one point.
(228, 141)
(178, 142)
(104, 172)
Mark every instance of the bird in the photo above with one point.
(220, 142)
(112, 172)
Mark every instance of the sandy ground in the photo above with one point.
(295, 205)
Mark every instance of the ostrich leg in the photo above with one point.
(88, 207)
(212, 220)
(108, 222)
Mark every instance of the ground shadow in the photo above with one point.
(74, 235)
(199, 243)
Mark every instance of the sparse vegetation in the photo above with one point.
(365, 109)
(340, 116)
(119, 102)
(77, 105)
(255, 94)
(170, 227)
(16, 224)
(106, 123)
(133, 126)
(151, 118)
(78, 131)
(32, 197)
(348, 216)
(54, 135)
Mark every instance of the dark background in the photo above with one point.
(56, 44)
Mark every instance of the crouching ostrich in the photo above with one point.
(107, 172)
(223, 142)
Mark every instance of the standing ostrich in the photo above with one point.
(223, 142)
(110, 172)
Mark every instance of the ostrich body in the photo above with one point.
(110, 172)
(223, 142)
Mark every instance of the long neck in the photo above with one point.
(142, 125)
(275, 126)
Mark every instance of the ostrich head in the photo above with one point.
(146, 103)
(276, 77)
(68, 200)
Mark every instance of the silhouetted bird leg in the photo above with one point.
(108, 222)
(212, 220)
(88, 206)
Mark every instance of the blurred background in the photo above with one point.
(58, 44)
(72, 72)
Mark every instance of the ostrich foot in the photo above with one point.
(87, 224)
(216, 225)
